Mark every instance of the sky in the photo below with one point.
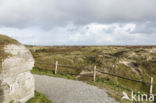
(79, 22)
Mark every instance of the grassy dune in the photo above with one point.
(135, 62)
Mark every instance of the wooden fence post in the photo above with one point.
(56, 64)
(94, 73)
(151, 86)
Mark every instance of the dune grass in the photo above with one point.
(107, 58)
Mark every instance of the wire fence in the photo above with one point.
(140, 81)
(94, 70)
(100, 71)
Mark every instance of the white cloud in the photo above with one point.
(91, 34)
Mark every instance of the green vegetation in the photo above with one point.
(114, 89)
(4, 40)
(51, 73)
(12, 101)
(39, 98)
(128, 61)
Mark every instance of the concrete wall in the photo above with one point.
(16, 81)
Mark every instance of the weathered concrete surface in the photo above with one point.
(69, 91)
(16, 81)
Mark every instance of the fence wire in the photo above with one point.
(106, 73)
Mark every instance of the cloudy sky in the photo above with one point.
(79, 22)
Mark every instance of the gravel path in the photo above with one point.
(69, 91)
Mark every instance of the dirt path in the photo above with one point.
(69, 91)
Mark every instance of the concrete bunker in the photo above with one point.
(16, 81)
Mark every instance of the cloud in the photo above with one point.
(146, 27)
(79, 22)
(50, 13)
(90, 34)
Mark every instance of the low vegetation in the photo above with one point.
(51, 73)
(135, 62)
(39, 98)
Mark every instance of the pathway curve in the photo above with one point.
(61, 90)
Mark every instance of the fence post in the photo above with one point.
(151, 86)
(94, 73)
(56, 64)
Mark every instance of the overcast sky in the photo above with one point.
(79, 22)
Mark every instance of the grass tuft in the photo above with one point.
(39, 98)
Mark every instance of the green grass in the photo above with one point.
(51, 73)
(114, 89)
(12, 101)
(39, 98)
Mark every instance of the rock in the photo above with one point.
(16, 81)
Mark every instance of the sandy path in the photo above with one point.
(69, 91)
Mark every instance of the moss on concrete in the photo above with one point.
(4, 40)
